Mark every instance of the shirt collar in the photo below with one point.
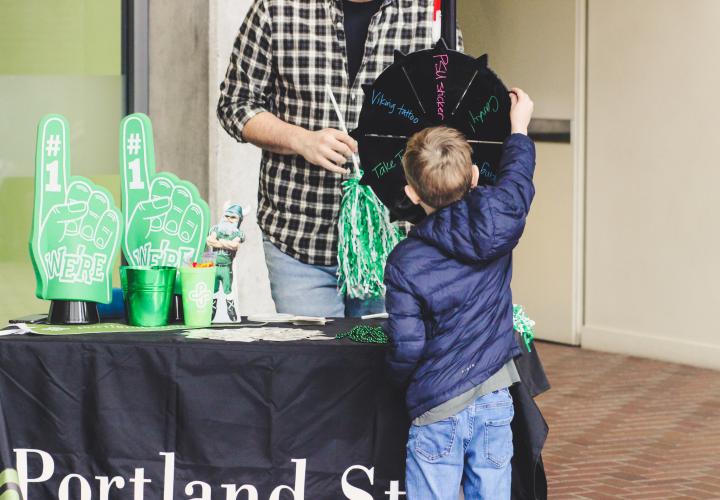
(384, 4)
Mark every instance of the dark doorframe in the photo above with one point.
(135, 55)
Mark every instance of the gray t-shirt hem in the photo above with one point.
(504, 377)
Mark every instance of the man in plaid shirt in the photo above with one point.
(274, 96)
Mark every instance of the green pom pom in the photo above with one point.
(366, 239)
(523, 325)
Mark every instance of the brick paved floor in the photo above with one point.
(625, 427)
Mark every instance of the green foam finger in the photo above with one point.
(106, 233)
(97, 206)
(160, 227)
(69, 215)
(162, 187)
(188, 225)
(198, 217)
(78, 193)
(71, 262)
(137, 158)
(52, 163)
(52, 167)
(78, 190)
(181, 200)
(80, 265)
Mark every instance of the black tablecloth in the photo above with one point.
(316, 416)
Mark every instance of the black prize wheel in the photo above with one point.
(428, 88)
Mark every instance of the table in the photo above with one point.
(159, 416)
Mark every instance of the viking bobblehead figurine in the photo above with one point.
(225, 239)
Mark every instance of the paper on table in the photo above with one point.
(44, 329)
(289, 318)
(309, 320)
(273, 334)
(16, 329)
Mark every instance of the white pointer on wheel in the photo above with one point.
(386, 136)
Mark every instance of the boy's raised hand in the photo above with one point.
(521, 110)
(76, 226)
(166, 220)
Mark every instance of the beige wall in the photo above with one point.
(652, 177)
(532, 45)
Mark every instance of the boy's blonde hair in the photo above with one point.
(438, 165)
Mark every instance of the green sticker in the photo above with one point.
(166, 220)
(76, 226)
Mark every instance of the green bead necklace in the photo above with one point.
(365, 334)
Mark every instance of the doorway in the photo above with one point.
(540, 47)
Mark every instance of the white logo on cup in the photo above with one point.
(200, 295)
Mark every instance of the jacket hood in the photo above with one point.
(456, 233)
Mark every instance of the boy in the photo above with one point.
(450, 311)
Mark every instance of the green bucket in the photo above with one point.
(149, 294)
(197, 294)
(123, 281)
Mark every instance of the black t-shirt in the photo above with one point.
(357, 21)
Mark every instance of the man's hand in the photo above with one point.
(328, 148)
(166, 220)
(521, 110)
(76, 226)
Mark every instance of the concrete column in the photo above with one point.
(190, 46)
(234, 167)
(178, 104)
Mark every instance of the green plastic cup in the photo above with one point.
(149, 295)
(197, 294)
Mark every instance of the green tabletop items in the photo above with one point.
(376, 335)
(76, 226)
(365, 239)
(10, 482)
(197, 298)
(365, 334)
(149, 294)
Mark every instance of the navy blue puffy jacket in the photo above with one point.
(448, 287)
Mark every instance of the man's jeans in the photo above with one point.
(307, 290)
(474, 446)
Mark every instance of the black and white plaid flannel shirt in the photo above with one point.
(285, 53)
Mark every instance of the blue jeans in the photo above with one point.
(473, 447)
(307, 290)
